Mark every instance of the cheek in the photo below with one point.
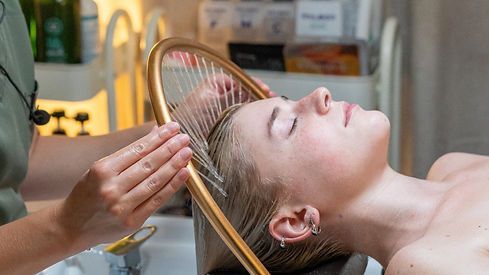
(325, 154)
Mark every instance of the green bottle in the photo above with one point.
(58, 31)
(30, 19)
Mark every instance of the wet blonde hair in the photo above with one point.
(250, 205)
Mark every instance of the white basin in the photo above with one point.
(171, 250)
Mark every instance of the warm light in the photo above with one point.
(107, 7)
(96, 108)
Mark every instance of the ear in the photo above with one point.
(292, 223)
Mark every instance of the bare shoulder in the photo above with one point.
(453, 162)
(410, 260)
(444, 259)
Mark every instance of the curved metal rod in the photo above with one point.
(152, 31)
(109, 65)
(156, 28)
(195, 185)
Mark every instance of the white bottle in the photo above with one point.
(215, 24)
(278, 22)
(90, 35)
(247, 21)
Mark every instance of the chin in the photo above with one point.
(379, 129)
(380, 121)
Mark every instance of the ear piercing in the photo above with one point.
(282, 242)
(315, 229)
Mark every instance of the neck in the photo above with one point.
(393, 213)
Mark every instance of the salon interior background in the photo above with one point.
(445, 68)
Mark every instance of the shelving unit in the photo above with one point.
(82, 82)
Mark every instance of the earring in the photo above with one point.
(282, 242)
(315, 230)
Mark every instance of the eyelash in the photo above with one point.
(294, 124)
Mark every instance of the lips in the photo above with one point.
(348, 109)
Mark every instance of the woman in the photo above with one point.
(292, 168)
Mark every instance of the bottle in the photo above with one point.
(214, 24)
(278, 22)
(58, 32)
(247, 21)
(90, 36)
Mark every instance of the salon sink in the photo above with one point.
(171, 250)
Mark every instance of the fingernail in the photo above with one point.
(167, 128)
(172, 126)
(183, 138)
(185, 153)
(184, 174)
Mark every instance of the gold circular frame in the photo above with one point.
(195, 185)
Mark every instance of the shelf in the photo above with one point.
(381, 90)
(56, 80)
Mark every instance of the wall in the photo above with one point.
(446, 86)
(182, 14)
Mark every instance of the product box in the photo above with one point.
(327, 58)
(258, 56)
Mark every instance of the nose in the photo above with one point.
(319, 101)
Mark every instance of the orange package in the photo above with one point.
(325, 58)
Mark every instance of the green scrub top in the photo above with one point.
(15, 127)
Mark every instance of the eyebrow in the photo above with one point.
(272, 120)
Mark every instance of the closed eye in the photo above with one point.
(294, 126)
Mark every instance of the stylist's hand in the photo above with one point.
(205, 103)
(118, 193)
(265, 87)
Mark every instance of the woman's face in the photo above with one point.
(326, 152)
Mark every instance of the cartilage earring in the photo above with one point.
(282, 242)
(315, 230)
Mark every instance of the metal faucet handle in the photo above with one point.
(133, 241)
(123, 255)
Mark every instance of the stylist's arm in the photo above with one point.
(112, 199)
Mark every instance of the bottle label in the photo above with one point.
(319, 19)
(55, 50)
(90, 37)
(247, 24)
(215, 24)
(278, 22)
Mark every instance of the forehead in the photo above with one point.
(259, 107)
(253, 117)
(251, 122)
